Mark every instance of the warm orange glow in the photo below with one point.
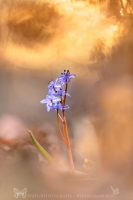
(79, 27)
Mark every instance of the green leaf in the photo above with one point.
(40, 148)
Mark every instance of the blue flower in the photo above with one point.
(54, 86)
(59, 106)
(53, 103)
(66, 77)
(56, 90)
(50, 101)
(60, 93)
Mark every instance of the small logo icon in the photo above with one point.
(18, 193)
(115, 191)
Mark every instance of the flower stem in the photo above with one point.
(68, 146)
(67, 136)
(60, 118)
(59, 129)
(65, 94)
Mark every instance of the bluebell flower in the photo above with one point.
(56, 90)
(59, 106)
(66, 77)
(54, 86)
(50, 101)
(60, 93)
(53, 103)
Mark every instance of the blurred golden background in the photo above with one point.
(94, 40)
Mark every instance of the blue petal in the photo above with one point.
(48, 97)
(44, 101)
(72, 76)
(68, 94)
(57, 94)
(58, 86)
(56, 99)
(64, 108)
(48, 107)
(47, 100)
(68, 80)
(60, 77)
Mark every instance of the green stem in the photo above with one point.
(40, 148)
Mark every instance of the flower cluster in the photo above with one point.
(57, 91)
